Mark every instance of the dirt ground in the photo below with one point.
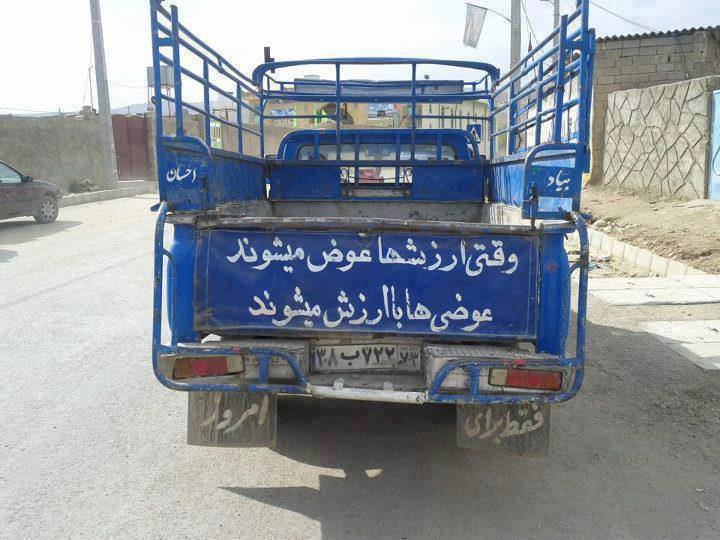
(686, 231)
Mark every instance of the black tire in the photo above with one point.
(47, 210)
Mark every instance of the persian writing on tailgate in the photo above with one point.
(350, 281)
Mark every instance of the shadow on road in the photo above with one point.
(16, 232)
(399, 472)
(398, 463)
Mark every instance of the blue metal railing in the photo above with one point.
(168, 32)
(171, 40)
(529, 105)
(532, 93)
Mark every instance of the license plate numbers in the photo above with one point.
(330, 358)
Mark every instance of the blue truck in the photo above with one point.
(412, 263)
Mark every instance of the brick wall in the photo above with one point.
(627, 63)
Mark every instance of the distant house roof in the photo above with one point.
(682, 32)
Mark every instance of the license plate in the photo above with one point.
(330, 358)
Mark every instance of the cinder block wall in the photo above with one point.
(58, 149)
(623, 64)
(657, 139)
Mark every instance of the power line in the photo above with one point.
(678, 47)
(532, 31)
(127, 85)
(26, 110)
(87, 79)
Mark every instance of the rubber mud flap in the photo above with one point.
(522, 429)
(229, 419)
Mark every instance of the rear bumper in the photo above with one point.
(472, 392)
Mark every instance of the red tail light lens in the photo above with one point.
(530, 379)
(207, 366)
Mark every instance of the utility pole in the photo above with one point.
(109, 165)
(515, 32)
(556, 19)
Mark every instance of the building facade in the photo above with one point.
(640, 61)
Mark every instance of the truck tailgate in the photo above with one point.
(444, 286)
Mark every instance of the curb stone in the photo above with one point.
(601, 243)
(140, 188)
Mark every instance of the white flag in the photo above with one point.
(474, 20)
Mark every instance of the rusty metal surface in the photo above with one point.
(241, 420)
(521, 429)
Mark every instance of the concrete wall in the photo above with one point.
(58, 149)
(657, 139)
(622, 64)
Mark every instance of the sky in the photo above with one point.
(47, 44)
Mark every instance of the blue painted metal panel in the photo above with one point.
(195, 177)
(554, 181)
(554, 305)
(505, 183)
(714, 172)
(447, 183)
(305, 182)
(235, 178)
(180, 277)
(551, 189)
(183, 173)
(444, 286)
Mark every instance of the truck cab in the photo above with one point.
(414, 263)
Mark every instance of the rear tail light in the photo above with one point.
(526, 378)
(207, 366)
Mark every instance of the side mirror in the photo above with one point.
(27, 178)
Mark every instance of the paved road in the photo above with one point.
(91, 444)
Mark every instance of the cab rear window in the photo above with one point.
(378, 152)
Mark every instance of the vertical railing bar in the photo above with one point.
(206, 101)
(263, 368)
(583, 93)
(337, 111)
(413, 101)
(238, 114)
(491, 127)
(560, 80)
(356, 172)
(262, 126)
(538, 104)
(511, 119)
(157, 90)
(398, 147)
(177, 75)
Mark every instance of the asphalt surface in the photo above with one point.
(91, 444)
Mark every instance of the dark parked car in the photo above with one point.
(22, 195)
